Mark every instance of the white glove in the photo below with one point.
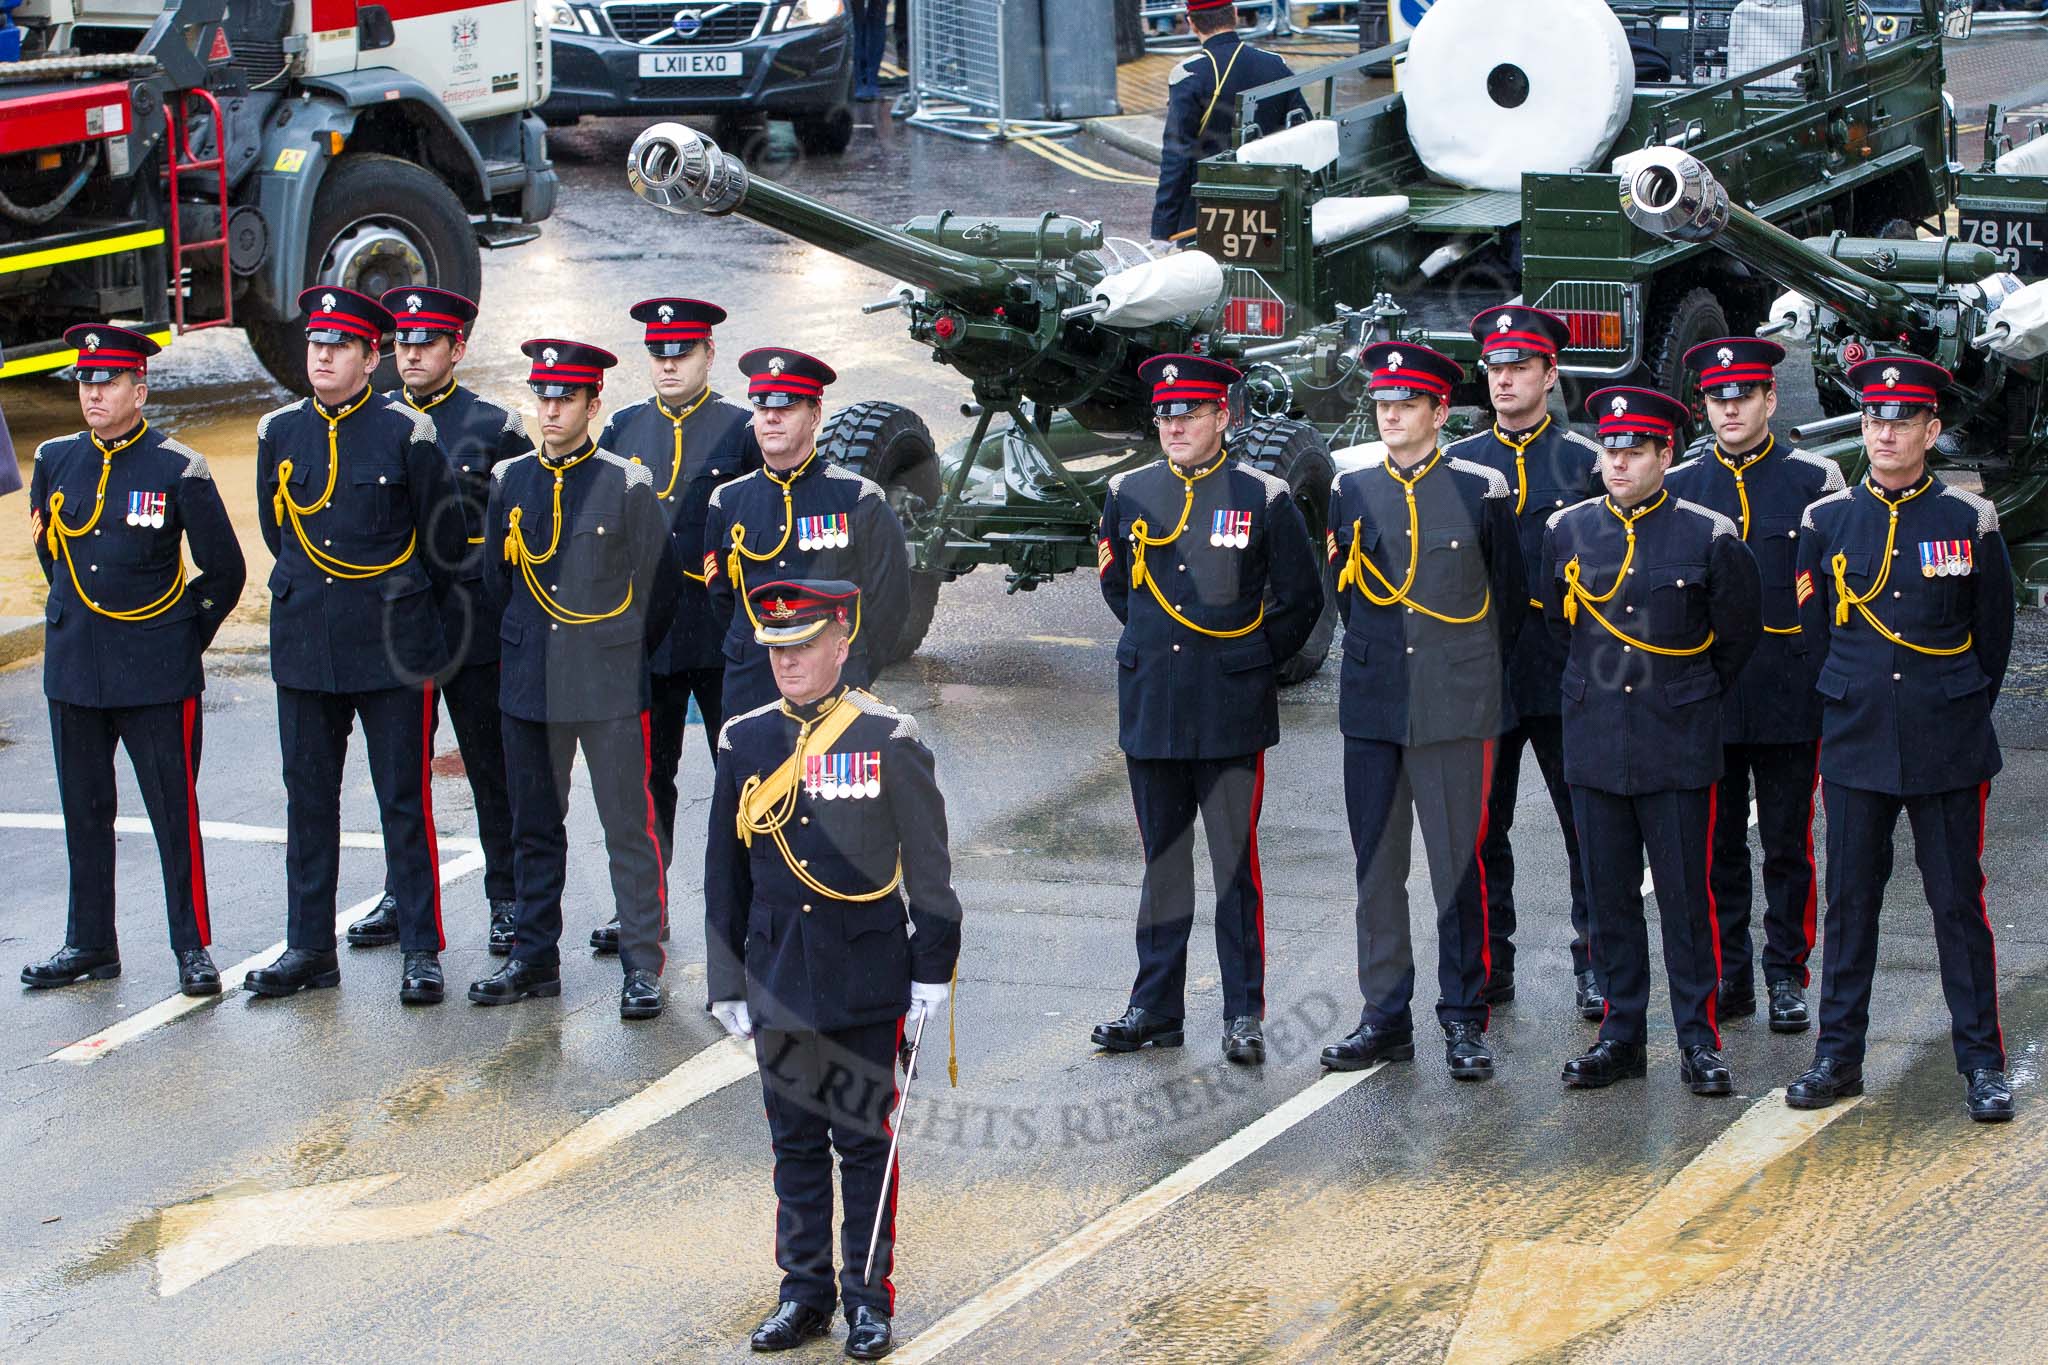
(1159, 246)
(733, 1015)
(925, 999)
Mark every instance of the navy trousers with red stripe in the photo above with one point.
(828, 1092)
(1544, 734)
(1784, 775)
(1167, 793)
(1676, 830)
(1388, 788)
(163, 747)
(538, 758)
(398, 730)
(1948, 845)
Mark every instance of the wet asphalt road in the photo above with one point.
(328, 1175)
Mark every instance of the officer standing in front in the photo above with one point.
(581, 565)
(122, 638)
(1433, 590)
(360, 508)
(1911, 666)
(798, 516)
(1207, 563)
(693, 440)
(831, 930)
(1770, 720)
(1656, 602)
(1548, 467)
(1201, 111)
(475, 435)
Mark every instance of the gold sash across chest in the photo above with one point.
(768, 802)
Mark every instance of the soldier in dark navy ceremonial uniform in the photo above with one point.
(1548, 467)
(361, 509)
(1656, 602)
(1207, 563)
(580, 561)
(1770, 719)
(1201, 110)
(475, 435)
(798, 516)
(1906, 597)
(111, 511)
(831, 931)
(1433, 590)
(692, 440)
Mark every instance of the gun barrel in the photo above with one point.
(1672, 194)
(679, 169)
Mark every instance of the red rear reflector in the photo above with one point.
(1255, 317)
(1594, 331)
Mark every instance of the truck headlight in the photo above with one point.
(562, 16)
(807, 13)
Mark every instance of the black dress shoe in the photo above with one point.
(1604, 1063)
(1705, 1071)
(867, 1334)
(640, 997)
(421, 984)
(196, 973)
(504, 920)
(1244, 1041)
(1788, 1008)
(1500, 988)
(295, 970)
(1466, 1050)
(515, 981)
(69, 964)
(1592, 1005)
(1135, 1029)
(1735, 999)
(604, 939)
(1369, 1043)
(377, 928)
(1821, 1084)
(791, 1324)
(1989, 1097)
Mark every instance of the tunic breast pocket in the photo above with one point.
(596, 544)
(1775, 543)
(1450, 558)
(381, 496)
(1678, 600)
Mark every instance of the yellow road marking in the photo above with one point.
(1068, 159)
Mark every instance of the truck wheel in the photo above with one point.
(378, 223)
(826, 134)
(890, 444)
(1294, 451)
(1694, 316)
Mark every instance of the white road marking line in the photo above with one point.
(207, 1235)
(87, 1050)
(225, 830)
(1649, 886)
(1533, 1297)
(1126, 1218)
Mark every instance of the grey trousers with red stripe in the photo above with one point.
(538, 756)
(1387, 789)
(163, 745)
(1948, 844)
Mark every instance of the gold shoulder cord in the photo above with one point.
(766, 804)
(518, 552)
(1142, 539)
(1845, 599)
(1742, 492)
(737, 557)
(1576, 593)
(1358, 564)
(285, 509)
(1521, 449)
(1222, 78)
(675, 469)
(61, 537)
(436, 401)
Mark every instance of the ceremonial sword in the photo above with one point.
(895, 1136)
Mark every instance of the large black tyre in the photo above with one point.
(890, 444)
(1679, 322)
(378, 223)
(1294, 452)
(825, 134)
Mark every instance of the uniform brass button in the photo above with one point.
(1897, 593)
(803, 819)
(1176, 649)
(328, 543)
(1411, 612)
(554, 627)
(1629, 609)
(803, 862)
(95, 532)
(1626, 687)
(1895, 677)
(1558, 503)
(330, 580)
(1454, 545)
(380, 478)
(1628, 649)
(1411, 649)
(1792, 535)
(717, 471)
(465, 469)
(1681, 582)
(96, 569)
(781, 563)
(1178, 568)
(600, 530)
(807, 909)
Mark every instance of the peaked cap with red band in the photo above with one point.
(675, 326)
(1400, 370)
(334, 314)
(1197, 6)
(561, 367)
(1730, 366)
(778, 377)
(419, 314)
(1180, 383)
(796, 611)
(1629, 416)
(105, 351)
(1894, 386)
(1514, 332)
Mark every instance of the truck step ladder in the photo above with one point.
(180, 161)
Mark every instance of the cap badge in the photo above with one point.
(665, 313)
(776, 364)
(780, 609)
(549, 356)
(327, 302)
(1618, 407)
(1503, 322)
(1891, 378)
(92, 341)
(1725, 356)
(1170, 373)
(412, 303)
(1393, 360)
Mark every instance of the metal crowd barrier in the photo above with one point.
(960, 73)
(1276, 21)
